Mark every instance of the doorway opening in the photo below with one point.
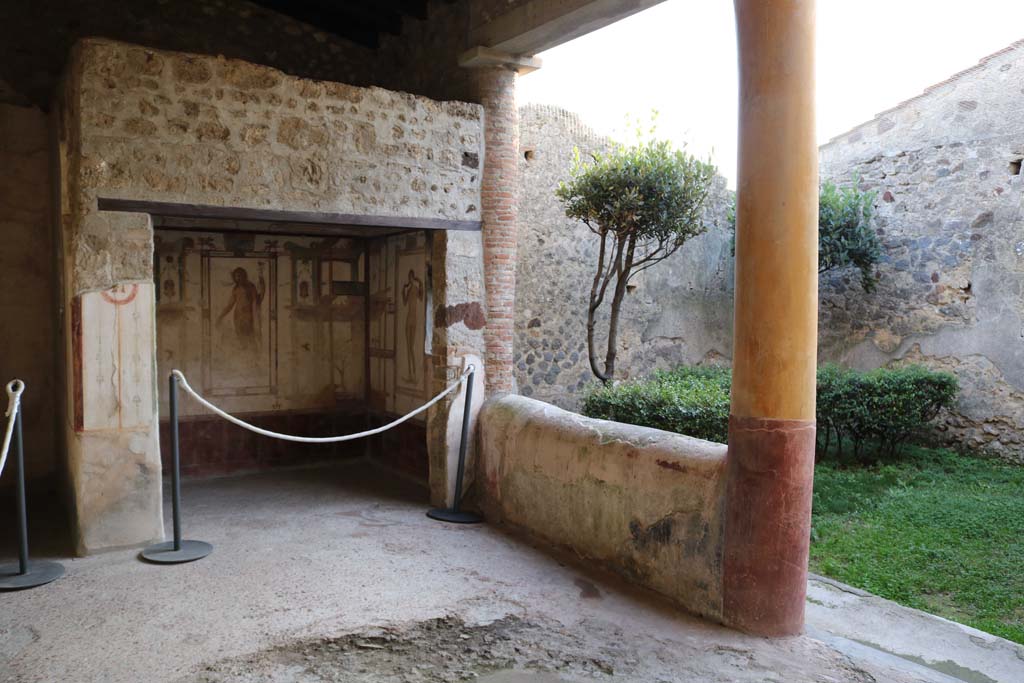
(303, 329)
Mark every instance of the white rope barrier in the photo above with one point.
(14, 389)
(315, 439)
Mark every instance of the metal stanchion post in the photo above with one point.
(454, 514)
(176, 551)
(25, 574)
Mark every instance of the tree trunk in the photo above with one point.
(622, 278)
(596, 296)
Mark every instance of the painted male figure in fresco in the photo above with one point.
(245, 300)
(412, 294)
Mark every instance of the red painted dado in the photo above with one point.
(770, 470)
(499, 186)
(210, 446)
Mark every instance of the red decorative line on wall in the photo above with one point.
(120, 302)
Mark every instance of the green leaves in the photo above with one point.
(863, 416)
(643, 201)
(687, 400)
(648, 190)
(845, 235)
(870, 415)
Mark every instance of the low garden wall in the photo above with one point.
(643, 502)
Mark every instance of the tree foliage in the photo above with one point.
(862, 417)
(845, 235)
(643, 202)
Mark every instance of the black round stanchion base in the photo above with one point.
(454, 516)
(164, 553)
(38, 573)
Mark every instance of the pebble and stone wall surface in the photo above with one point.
(946, 167)
(950, 213)
(145, 124)
(677, 312)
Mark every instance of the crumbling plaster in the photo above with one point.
(644, 502)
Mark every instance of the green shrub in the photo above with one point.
(845, 233)
(884, 408)
(863, 415)
(687, 400)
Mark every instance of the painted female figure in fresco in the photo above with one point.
(412, 294)
(245, 300)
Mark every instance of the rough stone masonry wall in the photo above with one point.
(166, 126)
(27, 297)
(145, 124)
(30, 69)
(946, 169)
(677, 312)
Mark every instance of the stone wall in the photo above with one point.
(31, 68)
(643, 502)
(677, 312)
(162, 126)
(28, 295)
(145, 124)
(946, 167)
(950, 212)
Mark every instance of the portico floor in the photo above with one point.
(336, 574)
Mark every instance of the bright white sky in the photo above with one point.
(679, 58)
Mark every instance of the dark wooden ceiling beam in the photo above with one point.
(357, 21)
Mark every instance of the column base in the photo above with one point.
(770, 468)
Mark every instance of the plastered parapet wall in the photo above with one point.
(642, 502)
(949, 213)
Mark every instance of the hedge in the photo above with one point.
(688, 400)
(861, 415)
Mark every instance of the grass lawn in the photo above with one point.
(937, 531)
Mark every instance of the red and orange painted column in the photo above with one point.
(770, 465)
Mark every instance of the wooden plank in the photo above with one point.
(322, 218)
(222, 226)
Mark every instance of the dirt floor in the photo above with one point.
(506, 650)
(336, 574)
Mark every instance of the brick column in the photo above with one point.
(770, 465)
(496, 91)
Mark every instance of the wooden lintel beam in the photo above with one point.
(206, 211)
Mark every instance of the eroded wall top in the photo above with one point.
(979, 103)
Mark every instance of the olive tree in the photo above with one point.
(643, 202)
